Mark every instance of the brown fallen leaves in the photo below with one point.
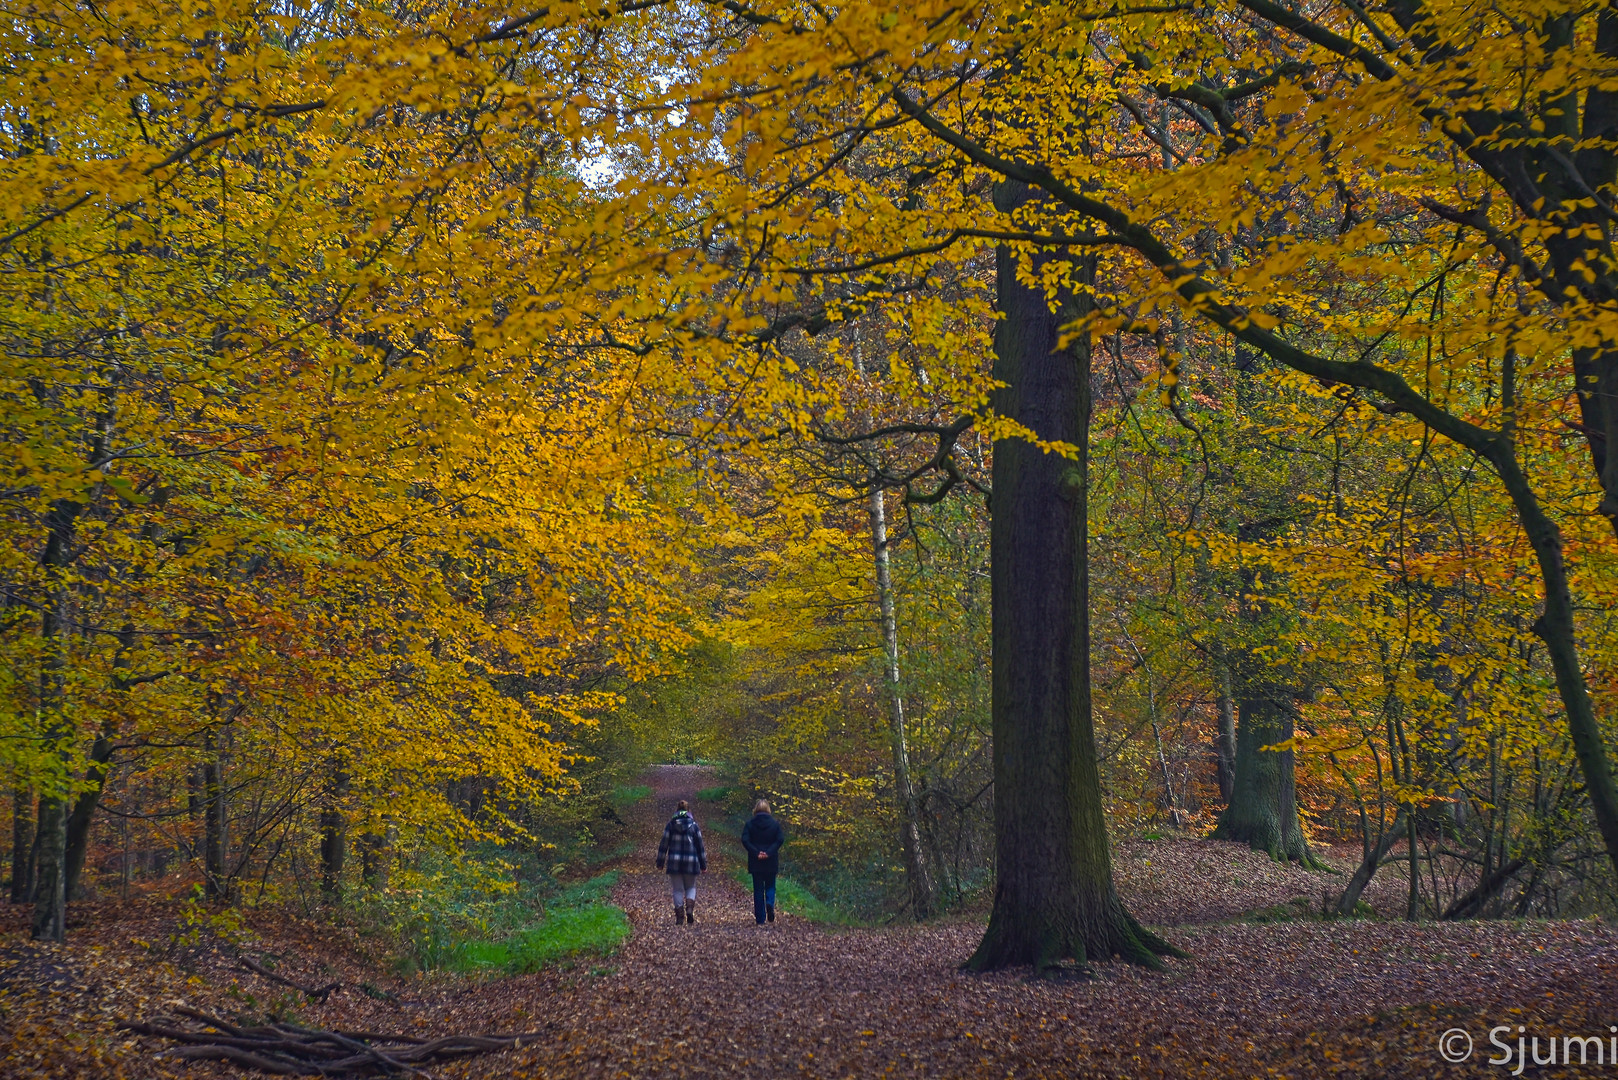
(727, 998)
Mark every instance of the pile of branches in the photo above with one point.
(290, 1050)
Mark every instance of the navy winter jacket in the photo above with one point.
(763, 833)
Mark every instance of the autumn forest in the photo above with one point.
(1132, 484)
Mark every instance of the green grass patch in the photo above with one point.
(716, 794)
(605, 855)
(1294, 910)
(484, 916)
(624, 794)
(594, 891)
(565, 934)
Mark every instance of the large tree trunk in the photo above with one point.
(1263, 808)
(1054, 898)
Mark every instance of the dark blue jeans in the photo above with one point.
(763, 893)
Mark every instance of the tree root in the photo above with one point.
(291, 1050)
(1067, 950)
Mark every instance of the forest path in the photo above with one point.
(643, 892)
(729, 998)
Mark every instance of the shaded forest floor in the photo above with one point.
(1265, 995)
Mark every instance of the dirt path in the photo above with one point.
(724, 908)
(728, 998)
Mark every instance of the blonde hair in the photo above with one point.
(761, 807)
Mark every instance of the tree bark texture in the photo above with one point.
(1263, 807)
(1054, 897)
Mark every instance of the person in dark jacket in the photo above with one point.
(762, 837)
(681, 849)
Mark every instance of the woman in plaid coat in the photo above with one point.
(682, 851)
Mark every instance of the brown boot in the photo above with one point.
(679, 914)
(690, 912)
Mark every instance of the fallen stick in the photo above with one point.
(314, 993)
(293, 1050)
(211, 1021)
(243, 1057)
(207, 1038)
(353, 1046)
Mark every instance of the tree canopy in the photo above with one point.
(418, 417)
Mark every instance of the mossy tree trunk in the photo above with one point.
(1263, 807)
(1054, 898)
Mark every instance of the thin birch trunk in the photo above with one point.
(1157, 733)
(916, 868)
(921, 885)
(1225, 746)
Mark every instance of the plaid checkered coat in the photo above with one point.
(681, 848)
